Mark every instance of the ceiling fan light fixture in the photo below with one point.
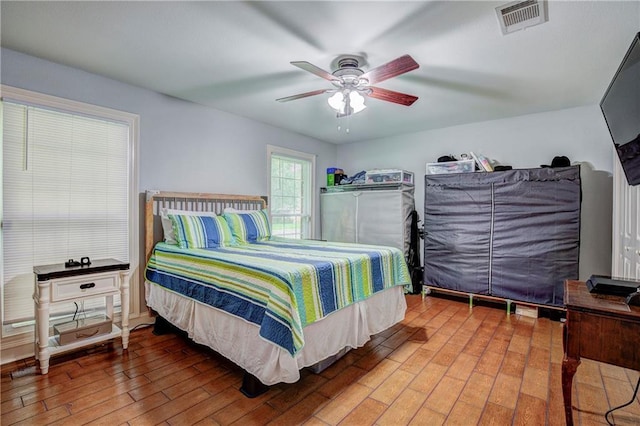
(356, 101)
(347, 102)
(336, 101)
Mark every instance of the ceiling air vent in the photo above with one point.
(518, 15)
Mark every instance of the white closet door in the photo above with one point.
(626, 226)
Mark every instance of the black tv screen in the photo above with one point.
(621, 109)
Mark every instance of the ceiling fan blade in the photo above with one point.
(391, 96)
(303, 95)
(314, 70)
(394, 68)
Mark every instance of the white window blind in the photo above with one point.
(291, 193)
(65, 195)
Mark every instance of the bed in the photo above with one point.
(273, 306)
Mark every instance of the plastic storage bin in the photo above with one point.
(462, 166)
(389, 176)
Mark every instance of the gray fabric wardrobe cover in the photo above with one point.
(513, 234)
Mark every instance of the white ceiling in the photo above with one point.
(234, 56)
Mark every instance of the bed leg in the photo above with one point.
(252, 387)
(161, 326)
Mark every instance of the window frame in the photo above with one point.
(296, 155)
(40, 100)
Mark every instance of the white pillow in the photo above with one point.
(232, 210)
(167, 225)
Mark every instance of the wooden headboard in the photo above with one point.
(201, 202)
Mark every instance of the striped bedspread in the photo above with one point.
(281, 285)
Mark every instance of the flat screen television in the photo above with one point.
(621, 109)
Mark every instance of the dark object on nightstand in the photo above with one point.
(634, 299)
(607, 285)
(85, 261)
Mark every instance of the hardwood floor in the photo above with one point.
(445, 364)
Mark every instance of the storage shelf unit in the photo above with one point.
(368, 214)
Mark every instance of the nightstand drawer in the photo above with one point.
(83, 286)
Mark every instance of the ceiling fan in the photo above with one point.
(351, 84)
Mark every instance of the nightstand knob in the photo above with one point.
(86, 286)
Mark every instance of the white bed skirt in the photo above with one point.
(239, 341)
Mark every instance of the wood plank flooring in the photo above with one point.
(444, 364)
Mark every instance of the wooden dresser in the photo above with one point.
(598, 327)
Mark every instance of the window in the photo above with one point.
(68, 191)
(291, 192)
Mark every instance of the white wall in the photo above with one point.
(522, 142)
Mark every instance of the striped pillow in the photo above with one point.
(201, 231)
(167, 225)
(249, 227)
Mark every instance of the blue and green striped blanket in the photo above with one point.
(281, 285)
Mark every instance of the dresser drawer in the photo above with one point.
(85, 286)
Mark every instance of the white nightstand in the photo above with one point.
(57, 283)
